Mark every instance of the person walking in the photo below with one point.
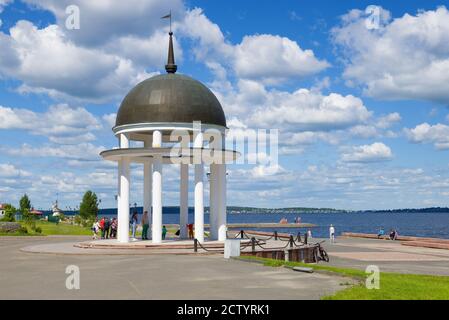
(145, 225)
(95, 229)
(134, 220)
(164, 232)
(332, 233)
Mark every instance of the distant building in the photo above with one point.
(2, 210)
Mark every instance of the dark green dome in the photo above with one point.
(170, 98)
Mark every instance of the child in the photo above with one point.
(164, 232)
(190, 227)
(95, 228)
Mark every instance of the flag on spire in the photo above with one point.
(168, 16)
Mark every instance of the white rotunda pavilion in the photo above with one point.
(179, 121)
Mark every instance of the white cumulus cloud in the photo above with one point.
(437, 134)
(10, 171)
(271, 58)
(368, 153)
(308, 110)
(60, 123)
(406, 58)
(46, 61)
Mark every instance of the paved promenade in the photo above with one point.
(140, 274)
(388, 255)
(42, 276)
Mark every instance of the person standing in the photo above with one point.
(145, 225)
(190, 228)
(309, 234)
(114, 228)
(332, 233)
(107, 226)
(164, 232)
(134, 221)
(102, 227)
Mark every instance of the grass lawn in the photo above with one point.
(393, 286)
(50, 228)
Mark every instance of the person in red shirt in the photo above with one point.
(102, 227)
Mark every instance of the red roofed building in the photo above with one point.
(36, 212)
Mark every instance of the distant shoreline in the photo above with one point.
(292, 210)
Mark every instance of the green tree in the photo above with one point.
(25, 204)
(89, 205)
(10, 213)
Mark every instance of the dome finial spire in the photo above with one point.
(170, 67)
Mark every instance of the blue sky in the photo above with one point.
(362, 111)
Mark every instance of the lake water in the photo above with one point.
(411, 224)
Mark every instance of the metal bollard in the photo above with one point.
(305, 238)
(287, 255)
(241, 234)
(299, 236)
(195, 245)
(253, 244)
(275, 235)
(291, 241)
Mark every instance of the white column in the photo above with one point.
(221, 202)
(199, 202)
(157, 190)
(147, 189)
(199, 192)
(184, 200)
(213, 197)
(123, 194)
(147, 184)
(123, 215)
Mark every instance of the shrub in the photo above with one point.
(22, 230)
(38, 230)
(10, 211)
(77, 219)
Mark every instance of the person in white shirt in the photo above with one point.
(332, 233)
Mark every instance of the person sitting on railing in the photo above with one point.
(393, 234)
(380, 233)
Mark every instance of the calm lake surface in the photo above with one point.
(411, 224)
